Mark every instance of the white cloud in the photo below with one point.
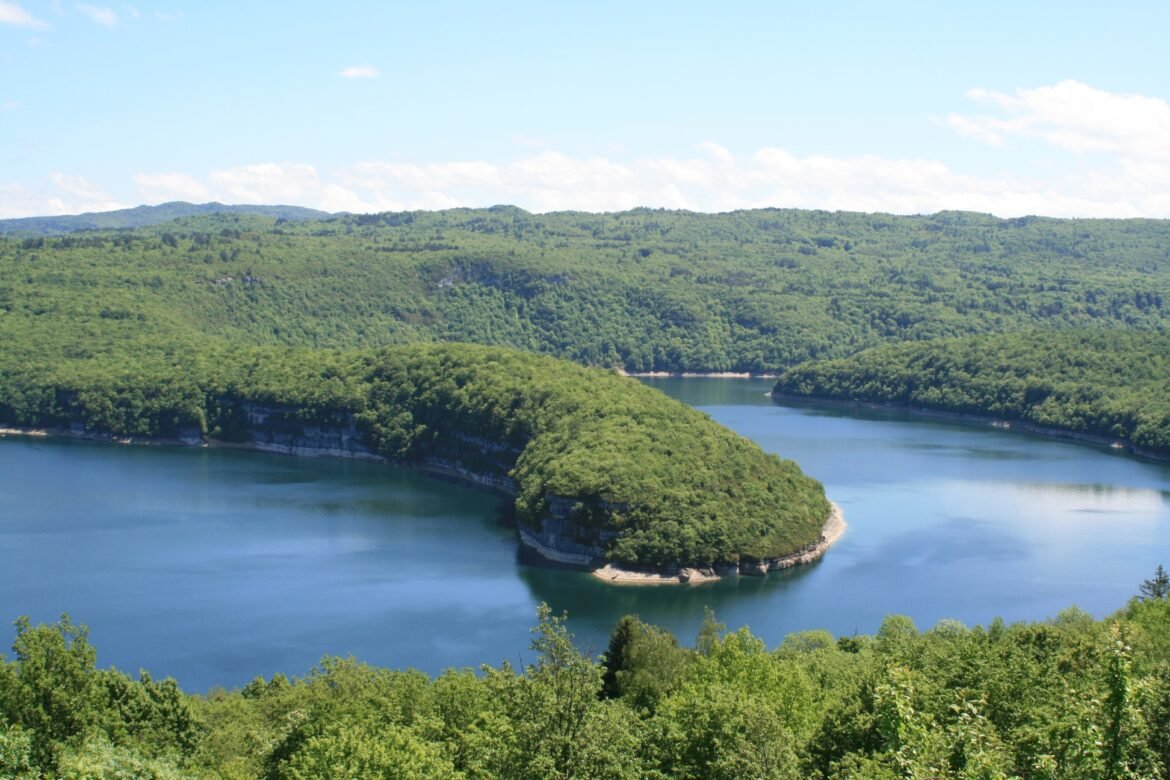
(1074, 117)
(267, 183)
(15, 15)
(82, 194)
(719, 153)
(99, 15)
(978, 129)
(17, 201)
(69, 195)
(359, 72)
(163, 187)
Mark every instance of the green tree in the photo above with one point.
(1157, 587)
(53, 693)
(343, 751)
(554, 699)
(642, 663)
(98, 759)
(16, 760)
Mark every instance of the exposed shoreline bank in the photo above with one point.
(832, 531)
(435, 470)
(989, 420)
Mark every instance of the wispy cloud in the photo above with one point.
(99, 15)
(15, 15)
(359, 72)
(80, 188)
(68, 195)
(1074, 117)
(161, 187)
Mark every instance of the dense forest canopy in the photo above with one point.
(644, 290)
(1070, 698)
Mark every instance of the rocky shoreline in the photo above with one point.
(833, 530)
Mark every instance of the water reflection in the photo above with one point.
(1095, 497)
(595, 606)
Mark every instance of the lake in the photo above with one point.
(214, 566)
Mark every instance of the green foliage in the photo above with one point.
(52, 691)
(1072, 698)
(344, 751)
(1158, 587)
(643, 289)
(98, 759)
(553, 700)
(16, 753)
(61, 715)
(642, 664)
(1108, 384)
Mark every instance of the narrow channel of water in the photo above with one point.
(215, 566)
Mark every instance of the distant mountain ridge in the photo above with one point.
(142, 216)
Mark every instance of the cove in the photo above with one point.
(215, 566)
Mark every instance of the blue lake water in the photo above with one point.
(215, 566)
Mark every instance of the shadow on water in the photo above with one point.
(594, 606)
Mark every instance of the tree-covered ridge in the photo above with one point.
(661, 483)
(1071, 698)
(1105, 383)
(643, 289)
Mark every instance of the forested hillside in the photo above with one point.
(1071, 698)
(645, 290)
(1112, 383)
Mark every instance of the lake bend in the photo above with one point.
(216, 565)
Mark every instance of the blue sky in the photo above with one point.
(1009, 108)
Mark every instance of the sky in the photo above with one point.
(1010, 108)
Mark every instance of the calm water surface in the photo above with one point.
(215, 566)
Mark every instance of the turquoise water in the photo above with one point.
(215, 566)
